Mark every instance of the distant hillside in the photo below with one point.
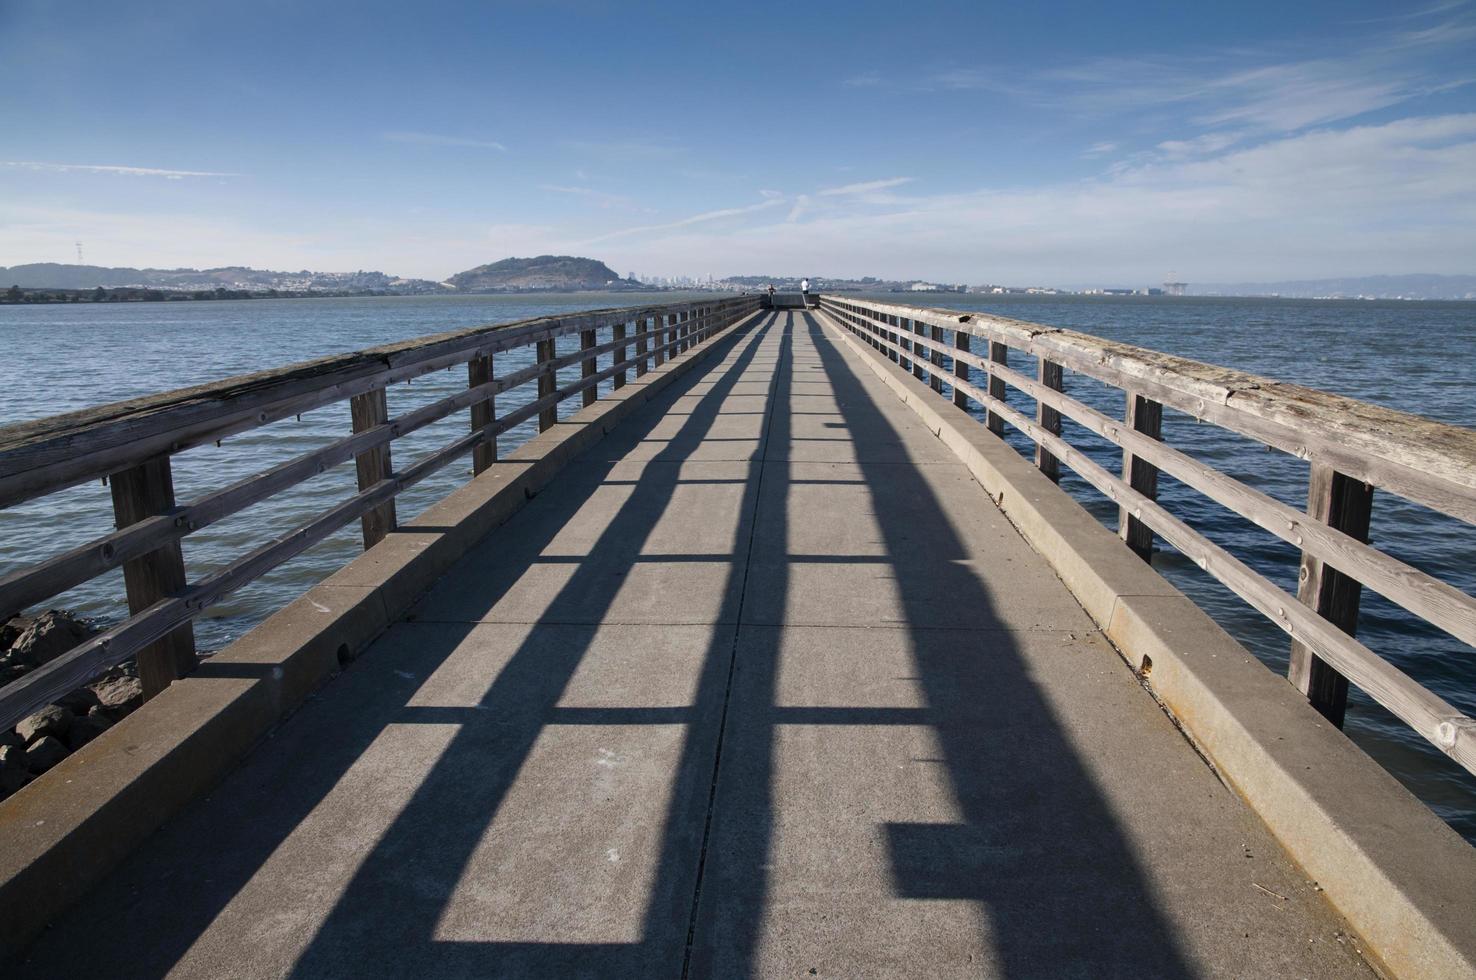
(52, 275)
(555, 273)
(1355, 287)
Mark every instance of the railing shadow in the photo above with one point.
(1034, 851)
(1057, 888)
(154, 915)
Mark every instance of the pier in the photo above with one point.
(766, 656)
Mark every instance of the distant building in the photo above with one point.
(924, 287)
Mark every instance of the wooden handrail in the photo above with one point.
(48, 455)
(1324, 426)
(1426, 461)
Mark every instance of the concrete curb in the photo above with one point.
(1402, 878)
(73, 825)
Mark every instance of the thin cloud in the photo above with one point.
(599, 197)
(90, 168)
(628, 149)
(685, 222)
(436, 139)
(1338, 202)
(865, 187)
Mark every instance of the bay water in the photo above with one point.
(1412, 356)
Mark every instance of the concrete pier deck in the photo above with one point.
(763, 685)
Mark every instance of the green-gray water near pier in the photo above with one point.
(1414, 357)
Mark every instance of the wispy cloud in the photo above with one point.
(867, 79)
(1099, 149)
(695, 219)
(865, 187)
(603, 199)
(631, 149)
(1392, 197)
(64, 168)
(437, 139)
(1204, 145)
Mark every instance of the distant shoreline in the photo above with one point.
(42, 296)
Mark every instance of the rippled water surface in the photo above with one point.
(1409, 356)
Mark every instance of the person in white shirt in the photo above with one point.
(804, 285)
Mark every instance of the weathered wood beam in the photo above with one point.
(139, 493)
(373, 465)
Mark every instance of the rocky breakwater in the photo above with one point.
(57, 730)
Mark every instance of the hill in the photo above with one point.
(54, 275)
(554, 273)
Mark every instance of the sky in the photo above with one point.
(980, 142)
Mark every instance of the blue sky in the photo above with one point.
(1067, 143)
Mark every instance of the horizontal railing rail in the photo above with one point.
(130, 443)
(1351, 446)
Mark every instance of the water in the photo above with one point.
(1390, 353)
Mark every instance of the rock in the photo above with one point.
(118, 693)
(12, 670)
(80, 701)
(84, 730)
(12, 628)
(13, 776)
(12, 755)
(52, 634)
(45, 753)
(50, 720)
(9, 737)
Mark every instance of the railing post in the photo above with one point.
(548, 383)
(960, 369)
(1048, 373)
(998, 354)
(896, 338)
(1345, 504)
(373, 465)
(619, 334)
(658, 342)
(141, 492)
(935, 358)
(589, 366)
(919, 354)
(483, 414)
(642, 342)
(1146, 416)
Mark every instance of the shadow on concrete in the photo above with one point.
(1036, 849)
(1056, 887)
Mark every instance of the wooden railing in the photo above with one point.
(1352, 447)
(130, 443)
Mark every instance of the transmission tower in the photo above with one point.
(79, 254)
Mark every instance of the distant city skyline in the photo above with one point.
(1050, 145)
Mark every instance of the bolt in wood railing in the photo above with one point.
(1353, 447)
(132, 443)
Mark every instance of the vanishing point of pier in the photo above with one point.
(766, 658)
